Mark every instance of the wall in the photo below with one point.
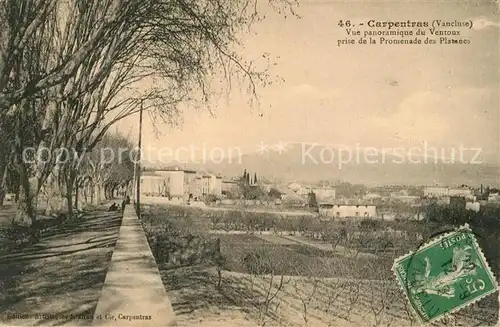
(436, 191)
(190, 185)
(175, 183)
(152, 185)
(361, 211)
(474, 206)
(460, 192)
(229, 186)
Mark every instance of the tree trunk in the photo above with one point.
(92, 193)
(3, 187)
(57, 200)
(85, 193)
(70, 179)
(77, 194)
(98, 193)
(69, 198)
(27, 204)
(61, 191)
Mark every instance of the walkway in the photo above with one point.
(58, 281)
(133, 292)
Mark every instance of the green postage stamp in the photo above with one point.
(445, 275)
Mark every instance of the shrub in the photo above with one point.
(257, 262)
(370, 225)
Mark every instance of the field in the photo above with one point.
(297, 278)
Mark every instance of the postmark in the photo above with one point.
(445, 275)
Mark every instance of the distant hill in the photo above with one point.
(294, 165)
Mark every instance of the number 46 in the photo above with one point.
(347, 23)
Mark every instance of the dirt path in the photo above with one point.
(326, 247)
(58, 281)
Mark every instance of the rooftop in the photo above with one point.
(173, 168)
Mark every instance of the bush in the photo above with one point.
(211, 198)
(370, 225)
(176, 236)
(258, 262)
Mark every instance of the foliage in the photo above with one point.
(211, 198)
(258, 262)
(370, 225)
(72, 69)
(274, 193)
(348, 190)
(176, 239)
(250, 192)
(306, 277)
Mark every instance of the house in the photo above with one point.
(408, 199)
(436, 192)
(347, 211)
(474, 206)
(371, 196)
(180, 184)
(460, 191)
(494, 197)
(295, 187)
(442, 192)
(324, 193)
(228, 186)
(153, 185)
(211, 185)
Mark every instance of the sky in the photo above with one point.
(370, 95)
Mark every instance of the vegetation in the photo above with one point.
(274, 193)
(311, 200)
(272, 276)
(70, 70)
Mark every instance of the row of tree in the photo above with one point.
(246, 178)
(70, 69)
(97, 174)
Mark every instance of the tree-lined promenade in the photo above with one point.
(71, 69)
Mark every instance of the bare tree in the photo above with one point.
(90, 57)
(306, 295)
(266, 283)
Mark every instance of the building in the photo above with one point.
(494, 197)
(408, 199)
(458, 202)
(178, 183)
(436, 192)
(460, 191)
(229, 186)
(348, 211)
(398, 194)
(217, 186)
(324, 193)
(153, 185)
(441, 192)
(211, 185)
(295, 187)
(474, 206)
(372, 196)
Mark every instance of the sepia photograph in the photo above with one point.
(249, 163)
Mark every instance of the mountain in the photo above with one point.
(297, 163)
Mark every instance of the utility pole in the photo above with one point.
(138, 167)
